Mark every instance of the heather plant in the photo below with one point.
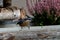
(45, 12)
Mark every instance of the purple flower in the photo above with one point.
(39, 5)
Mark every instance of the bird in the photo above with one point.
(23, 21)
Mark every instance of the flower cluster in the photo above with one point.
(45, 12)
(38, 5)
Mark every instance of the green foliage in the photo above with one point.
(45, 19)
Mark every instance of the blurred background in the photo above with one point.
(20, 4)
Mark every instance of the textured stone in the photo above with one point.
(36, 35)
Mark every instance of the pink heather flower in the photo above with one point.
(39, 5)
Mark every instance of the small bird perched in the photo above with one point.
(23, 21)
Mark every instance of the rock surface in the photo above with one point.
(37, 35)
